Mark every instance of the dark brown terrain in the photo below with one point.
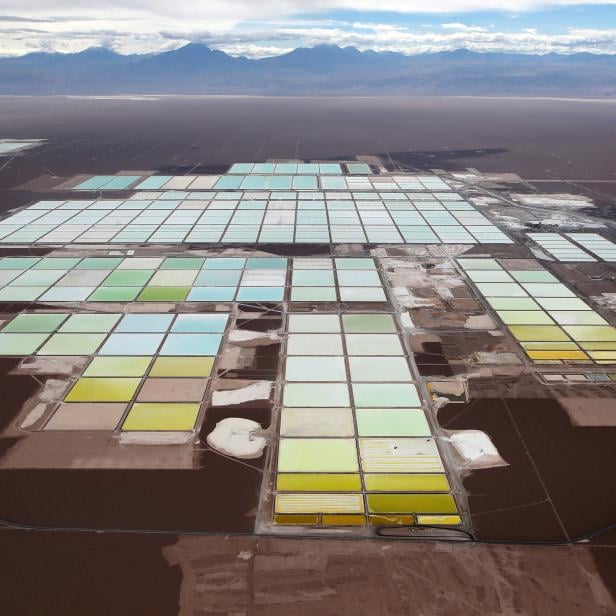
(557, 487)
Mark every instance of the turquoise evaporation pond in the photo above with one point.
(132, 344)
(144, 323)
(266, 168)
(280, 183)
(200, 323)
(229, 182)
(95, 182)
(255, 182)
(120, 182)
(285, 168)
(308, 182)
(108, 182)
(278, 227)
(358, 169)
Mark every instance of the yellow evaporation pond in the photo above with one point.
(590, 333)
(605, 356)
(550, 346)
(103, 390)
(182, 366)
(343, 520)
(598, 346)
(406, 483)
(557, 354)
(319, 503)
(317, 482)
(308, 520)
(317, 455)
(538, 332)
(118, 366)
(411, 503)
(439, 520)
(392, 520)
(161, 416)
(400, 455)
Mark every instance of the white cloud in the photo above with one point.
(412, 42)
(225, 12)
(462, 27)
(253, 50)
(267, 43)
(594, 41)
(266, 27)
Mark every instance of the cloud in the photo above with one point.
(261, 43)
(20, 19)
(573, 40)
(463, 27)
(225, 11)
(409, 42)
(48, 20)
(267, 27)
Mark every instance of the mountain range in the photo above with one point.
(320, 70)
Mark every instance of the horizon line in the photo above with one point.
(322, 45)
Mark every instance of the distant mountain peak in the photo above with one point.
(97, 51)
(324, 49)
(462, 51)
(196, 57)
(334, 48)
(192, 46)
(194, 52)
(324, 57)
(195, 68)
(195, 49)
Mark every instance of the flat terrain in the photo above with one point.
(556, 486)
(216, 576)
(537, 138)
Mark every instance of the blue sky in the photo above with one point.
(549, 19)
(258, 28)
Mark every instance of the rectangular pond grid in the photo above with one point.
(255, 217)
(595, 244)
(355, 446)
(188, 279)
(108, 182)
(147, 372)
(275, 182)
(332, 280)
(560, 247)
(550, 322)
(286, 168)
(144, 279)
(268, 176)
(597, 378)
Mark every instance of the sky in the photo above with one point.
(259, 28)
